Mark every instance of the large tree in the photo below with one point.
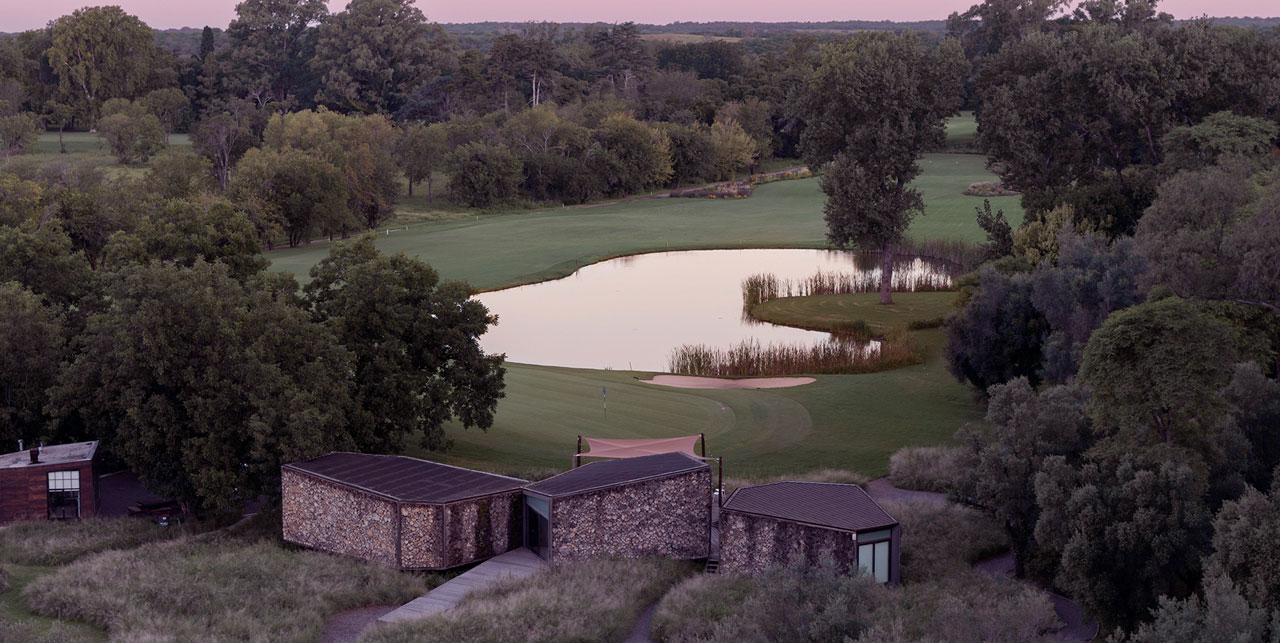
(293, 192)
(204, 386)
(100, 53)
(872, 107)
(271, 44)
(418, 361)
(33, 341)
(373, 55)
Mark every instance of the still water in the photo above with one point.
(629, 313)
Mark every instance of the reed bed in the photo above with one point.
(834, 356)
(917, 275)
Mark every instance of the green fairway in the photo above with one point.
(491, 251)
(83, 147)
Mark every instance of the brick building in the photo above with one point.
(399, 511)
(49, 483)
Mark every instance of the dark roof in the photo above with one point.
(837, 506)
(56, 454)
(608, 473)
(406, 479)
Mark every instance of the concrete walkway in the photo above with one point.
(517, 563)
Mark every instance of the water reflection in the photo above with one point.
(630, 313)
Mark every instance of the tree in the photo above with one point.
(184, 232)
(420, 153)
(207, 44)
(999, 335)
(373, 55)
(1000, 465)
(1245, 532)
(223, 137)
(634, 155)
(293, 192)
(204, 387)
(33, 341)
(691, 152)
(418, 360)
(42, 259)
(166, 105)
(1221, 614)
(999, 233)
(732, 150)
(20, 200)
(17, 134)
(59, 115)
(132, 134)
(871, 108)
(756, 118)
(1128, 532)
(1090, 279)
(1221, 135)
(1155, 371)
(179, 173)
(482, 176)
(271, 42)
(100, 53)
(1254, 401)
(988, 26)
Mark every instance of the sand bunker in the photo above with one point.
(689, 381)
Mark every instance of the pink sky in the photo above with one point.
(19, 15)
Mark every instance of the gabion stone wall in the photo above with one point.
(749, 544)
(483, 527)
(420, 546)
(336, 519)
(666, 517)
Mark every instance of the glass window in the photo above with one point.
(872, 536)
(64, 495)
(64, 481)
(873, 559)
(539, 506)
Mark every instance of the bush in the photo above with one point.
(215, 587)
(989, 189)
(925, 468)
(691, 610)
(943, 539)
(32, 631)
(965, 607)
(482, 176)
(58, 543)
(591, 600)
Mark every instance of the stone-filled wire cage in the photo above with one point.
(780, 522)
(656, 505)
(400, 512)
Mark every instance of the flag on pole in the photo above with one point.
(604, 395)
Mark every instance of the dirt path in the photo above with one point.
(640, 632)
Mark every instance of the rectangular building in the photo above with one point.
(49, 483)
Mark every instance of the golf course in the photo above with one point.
(839, 421)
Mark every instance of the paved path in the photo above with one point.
(517, 563)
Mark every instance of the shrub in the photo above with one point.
(590, 600)
(925, 468)
(216, 587)
(691, 610)
(943, 539)
(58, 543)
(989, 189)
(33, 631)
(965, 607)
(836, 356)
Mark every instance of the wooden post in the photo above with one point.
(578, 453)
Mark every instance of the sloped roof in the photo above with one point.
(837, 506)
(406, 479)
(609, 473)
(56, 454)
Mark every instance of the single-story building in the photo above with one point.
(777, 523)
(399, 511)
(653, 505)
(49, 483)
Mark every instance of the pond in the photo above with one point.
(630, 313)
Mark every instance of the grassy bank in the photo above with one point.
(836, 312)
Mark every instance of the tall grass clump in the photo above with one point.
(60, 542)
(32, 631)
(940, 539)
(915, 276)
(215, 587)
(925, 468)
(692, 609)
(751, 359)
(590, 600)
